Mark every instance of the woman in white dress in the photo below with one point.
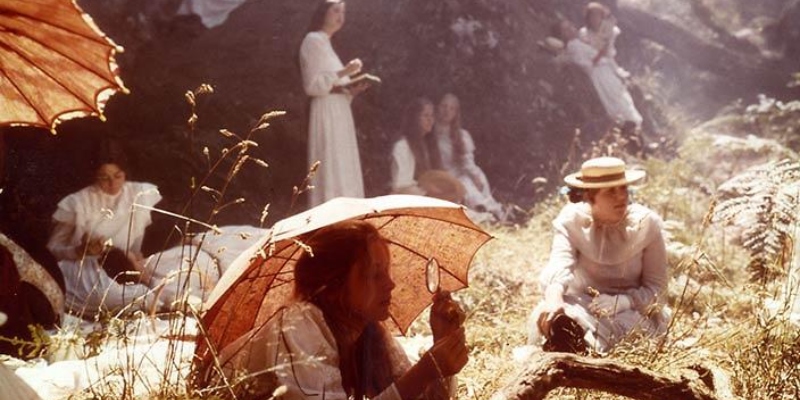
(456, 154)
(111, 214)
(603, 72)
(330, 342)
(601, 32)
(607, 267)
(412, 171)
(331, 129)
(87, 221)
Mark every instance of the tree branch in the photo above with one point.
(548, 371)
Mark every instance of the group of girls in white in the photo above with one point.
(603, 283)
(435, 156)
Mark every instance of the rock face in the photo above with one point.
(520, 107)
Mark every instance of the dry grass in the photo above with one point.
(719, 318)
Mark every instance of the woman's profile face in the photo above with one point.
(610, 204)
(334, 18)
(110, 178)
(370, 284)
(448, 109)
(426, 119)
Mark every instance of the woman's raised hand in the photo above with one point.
(446, 315)
(92, 247)
(549, 311)
(352, 68)
(449, 355)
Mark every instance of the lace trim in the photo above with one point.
(30, 271)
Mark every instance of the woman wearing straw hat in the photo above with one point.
(607, 265)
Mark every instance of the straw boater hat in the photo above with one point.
(603, 172)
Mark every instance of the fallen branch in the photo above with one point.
(548, 371)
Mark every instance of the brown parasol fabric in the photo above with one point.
(417, 228)
(55, 64)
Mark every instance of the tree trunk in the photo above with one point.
(746, 71)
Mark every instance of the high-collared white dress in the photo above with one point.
(605, 77)
(626, 258)
(331, 129)
(91, 213)
(120, 220)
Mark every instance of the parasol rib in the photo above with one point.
(69, 56)
(410, 250)
(432, 218)
(82, 63)
(56, 80)
(21, 93)
(100, 38)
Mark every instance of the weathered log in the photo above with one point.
(548, 371)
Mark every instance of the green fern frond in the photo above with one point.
(764, 201)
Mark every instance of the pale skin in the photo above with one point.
(109, 179)
(369, 296)
(446, 112)
(334, 21)
(609, 206)
(426, 119)
(596, 17)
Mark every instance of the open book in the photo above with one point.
(365, 77)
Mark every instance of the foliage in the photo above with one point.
(36, 346)
(776, 119)
(763, 200)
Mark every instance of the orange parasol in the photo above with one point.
(55, 64)
(421, 232)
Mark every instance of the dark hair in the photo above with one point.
(318, 18)
(555, 29)
(335, 250)
(576, 195)
(109, 151)
(417, 139)
(321, 279)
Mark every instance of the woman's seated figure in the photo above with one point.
(412, 169)
(603, 72)
(90, 220)
(607, 266)
(455, 153)
(330, 341)
(97, 238)
(601, 32)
